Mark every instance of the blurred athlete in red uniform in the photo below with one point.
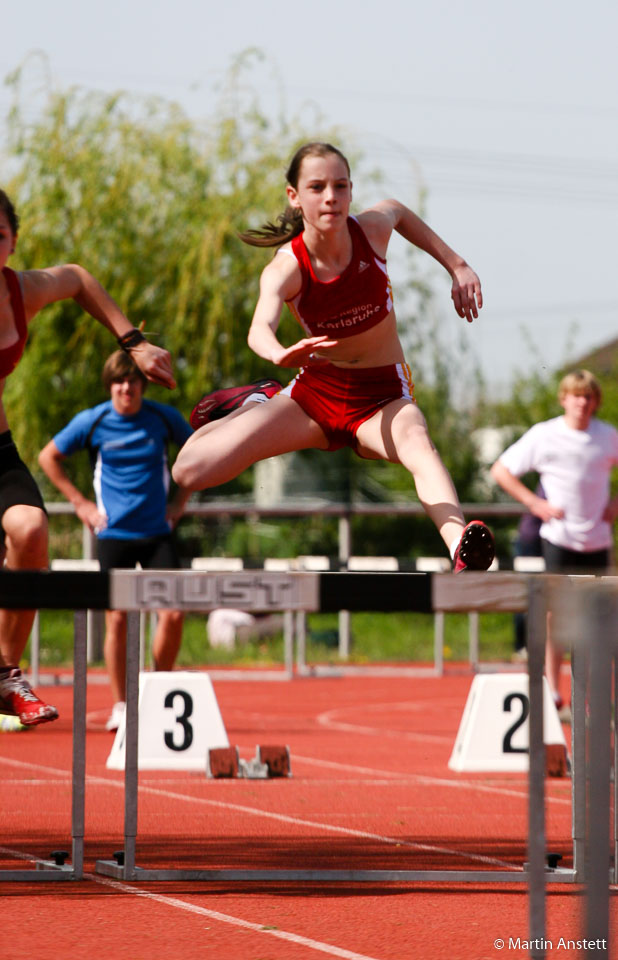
(22, 514)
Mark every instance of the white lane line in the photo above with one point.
(420, 778)
(178, 904)
(379, 778)
(333, 828)
(328, 720)
(286, 818)
(26, 782)
(405, 780)
(296, 938)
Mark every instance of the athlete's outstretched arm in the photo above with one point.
(71, 281)
(466, 286)
(279, 282)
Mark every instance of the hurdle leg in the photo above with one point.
(579, 673)
(288, 641)
(344, 634)
(301, 641)
(438, 642)
(601, 613)
(35, 649)
(95, 635)
(153, 621)
(79, 740)
(615, 715)
(345, 550)
(131, 744)
(473, 639)
(537, 616)
(143, 630)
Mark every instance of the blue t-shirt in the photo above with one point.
(129, 458)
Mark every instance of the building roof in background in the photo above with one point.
(603, 360)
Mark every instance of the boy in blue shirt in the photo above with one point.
(127, 438)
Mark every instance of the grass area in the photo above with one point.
(375, 637)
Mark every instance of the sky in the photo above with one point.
(505, 115)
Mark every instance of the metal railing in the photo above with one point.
(344, 511)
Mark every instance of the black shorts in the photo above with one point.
(152, 553)
(561, 560)
(17, 485)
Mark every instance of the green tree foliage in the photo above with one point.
(151, 204)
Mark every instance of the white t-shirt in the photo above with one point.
(575, 468)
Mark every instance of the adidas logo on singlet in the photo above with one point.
(363, 266)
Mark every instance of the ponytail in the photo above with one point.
(289, 224)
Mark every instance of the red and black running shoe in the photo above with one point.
(17, 699)
(215, 405)
(476, 549)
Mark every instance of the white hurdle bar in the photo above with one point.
(295, 624)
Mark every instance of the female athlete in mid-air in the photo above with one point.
(354, 387)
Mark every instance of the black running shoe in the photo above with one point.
(476, 549)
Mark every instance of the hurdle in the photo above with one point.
(18, 590)
(263, 591)
(310, 592)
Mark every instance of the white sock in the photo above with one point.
(454, 546)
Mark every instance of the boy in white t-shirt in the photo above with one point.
(574, 455)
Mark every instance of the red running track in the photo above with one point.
(370, 790)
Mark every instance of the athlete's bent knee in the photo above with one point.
(186, 474)
(26, 536)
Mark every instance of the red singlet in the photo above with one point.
(10, 356)
(353, 302)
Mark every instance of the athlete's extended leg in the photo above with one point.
(266, 430)
(399, 433)
(217, 424)
(25, 529)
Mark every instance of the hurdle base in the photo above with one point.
(111, 868)
(44, 871)
(350, 670)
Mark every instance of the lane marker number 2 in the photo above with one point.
(507, 742)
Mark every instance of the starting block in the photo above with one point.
(222, 762)
(269, 762)
(276, 759)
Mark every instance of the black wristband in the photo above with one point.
(131, 339)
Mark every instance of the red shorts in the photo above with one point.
(340, 399)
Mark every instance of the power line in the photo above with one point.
(482, 103)
(603, 306)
